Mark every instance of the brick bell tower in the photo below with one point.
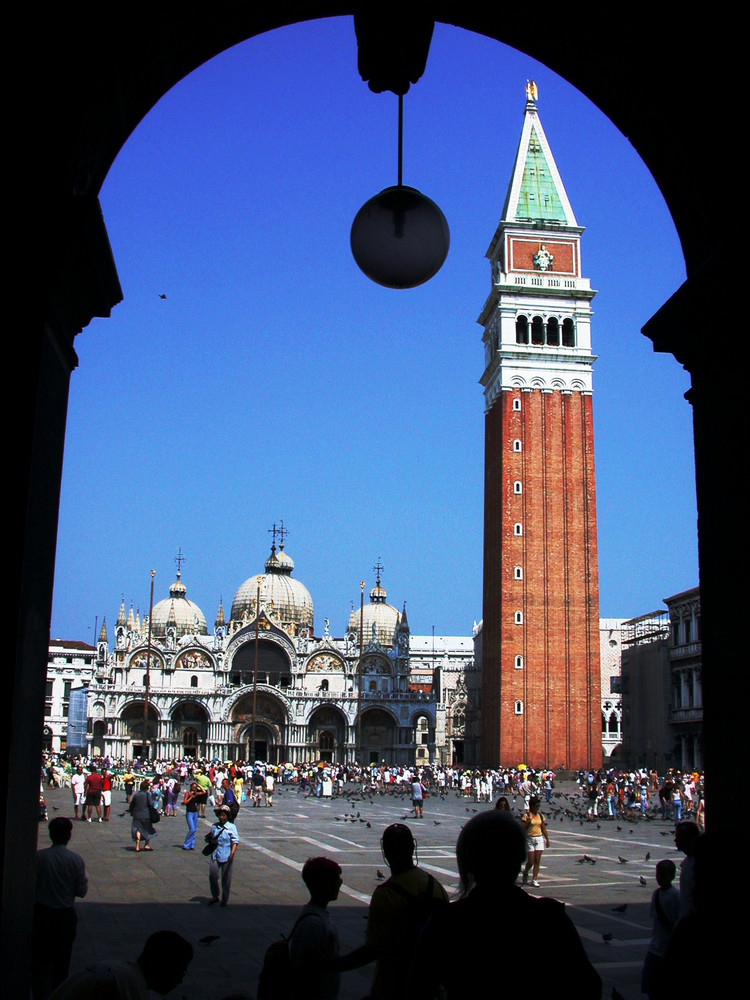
(540, 635)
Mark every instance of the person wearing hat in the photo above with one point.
(222, 858)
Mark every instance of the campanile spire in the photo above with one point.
(540, 645)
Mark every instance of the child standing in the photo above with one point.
(665, 912)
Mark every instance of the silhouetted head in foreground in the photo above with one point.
(398, 847)
(490, 851)
(164, 960)
(665, 873)
(322, 876)
(60, 830)
(686, 836)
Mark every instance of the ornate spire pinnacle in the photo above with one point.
(378, 594)
(536, 192)
(273, 530)
(280, 563)
(283, 532)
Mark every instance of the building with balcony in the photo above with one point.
(70, 668)
(447, 665)
(686, 667)
(662, 693)
(611, 637)
(647, 740)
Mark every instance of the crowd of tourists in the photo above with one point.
(494, 849)
(610, 793)
(633, 794)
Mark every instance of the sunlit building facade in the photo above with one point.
(264, 684)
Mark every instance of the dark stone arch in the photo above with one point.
(522, 329)
(327, 732)
(98, 83)
(274, 664)
(190, 711)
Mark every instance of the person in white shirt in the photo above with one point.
(268, 787)
(60, 879)
(78, 788)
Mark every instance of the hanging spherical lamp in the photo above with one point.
(400, 238)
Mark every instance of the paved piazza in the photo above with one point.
(131, 896)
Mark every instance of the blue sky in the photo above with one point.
(276, 382)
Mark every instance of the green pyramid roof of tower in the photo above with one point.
(538, 197)
(536, 193)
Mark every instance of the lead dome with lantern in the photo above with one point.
(286, 599)
(178, 612)
(378, 614)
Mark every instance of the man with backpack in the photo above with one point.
(303, 966)
(399, 909)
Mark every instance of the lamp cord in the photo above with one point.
(400, 137)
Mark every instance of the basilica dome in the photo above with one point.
(383, 616)
(285, 599)
(176, 610)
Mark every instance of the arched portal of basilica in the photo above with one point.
(271, 722)
(129, 731)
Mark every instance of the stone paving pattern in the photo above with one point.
(131, 895)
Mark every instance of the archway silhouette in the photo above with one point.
(99, 83)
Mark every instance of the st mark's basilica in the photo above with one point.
(266, 670)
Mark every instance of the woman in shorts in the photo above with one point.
(537, 839)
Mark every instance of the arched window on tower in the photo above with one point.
(522, 330)
(194, 681)
(553, 332)
(517, 446)
(517, 405)
(518, 487)
(518, 662)
(518, 708)
(569, 333)
(537, 331)
(518, 528)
